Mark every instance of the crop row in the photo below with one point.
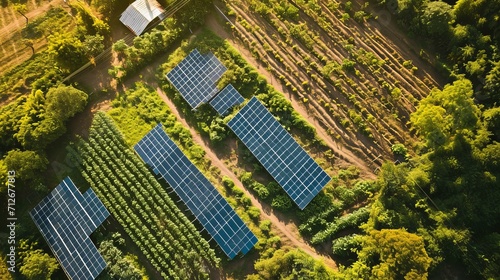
(141, 205)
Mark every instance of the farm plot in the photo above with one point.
(355, 82)
(141, 205)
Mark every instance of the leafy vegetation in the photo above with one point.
(445, 196)
(463, 35)
(287, 263)
(38, 265)
(35, 263)
(165, 236)
(46, 115)
(119, 265)
(434, 210)
(390, 254)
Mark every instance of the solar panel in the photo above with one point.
(196, 191)
(66, 218)
(299, 175)
(196, 76)
(225, 99)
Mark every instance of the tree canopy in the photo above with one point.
(38, 265)
(27, 164)
(391, 254)
(291, 264)
(444, 114)
(45, 115)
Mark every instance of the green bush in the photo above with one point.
(346, 247)
(348, 65)
(265, 226)
(282, 202)
(227, 182)
(253, 213)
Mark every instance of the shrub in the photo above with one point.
(245, 201)
(237, 192)
(399, 149)
(408, 64)
(281, 202)
(227, 182)
(253, 213)
(359, 16)
(345, 247)
(265, 226)
(348, 65)
(345, 16)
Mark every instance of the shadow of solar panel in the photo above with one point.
(225, 99)
(297, 173)
(196, 76)
(196, 191)
(66, 218)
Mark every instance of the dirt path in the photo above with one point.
(298, 106)
(289, 230)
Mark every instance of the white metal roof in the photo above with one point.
(139, 14)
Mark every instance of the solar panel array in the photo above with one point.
(299, 175)
(66, 218)
(196, 76)
(196, 191)
(225, 99)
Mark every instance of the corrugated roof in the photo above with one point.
(139, 14)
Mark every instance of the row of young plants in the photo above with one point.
(142, 206)
(361, 78)
(311, 87)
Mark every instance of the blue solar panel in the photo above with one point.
(299, 175)
(196, 76)
(66, 218)
(225, 99)
(196, 191)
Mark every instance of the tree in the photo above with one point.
(64, 102)
(3, 176)
(29, 44)
(38, 265)
(94, 45)
(27, 164)
(10, 116)
(435, 21)
(290, 264)
(68, 51)
(4, 270)
(391, 254)
(492, 83)
(109, 7)
(443, 114)
(120, 46)
(492, 121)
(46, 115)
(21, 9)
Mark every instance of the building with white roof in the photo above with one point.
(140, 14)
